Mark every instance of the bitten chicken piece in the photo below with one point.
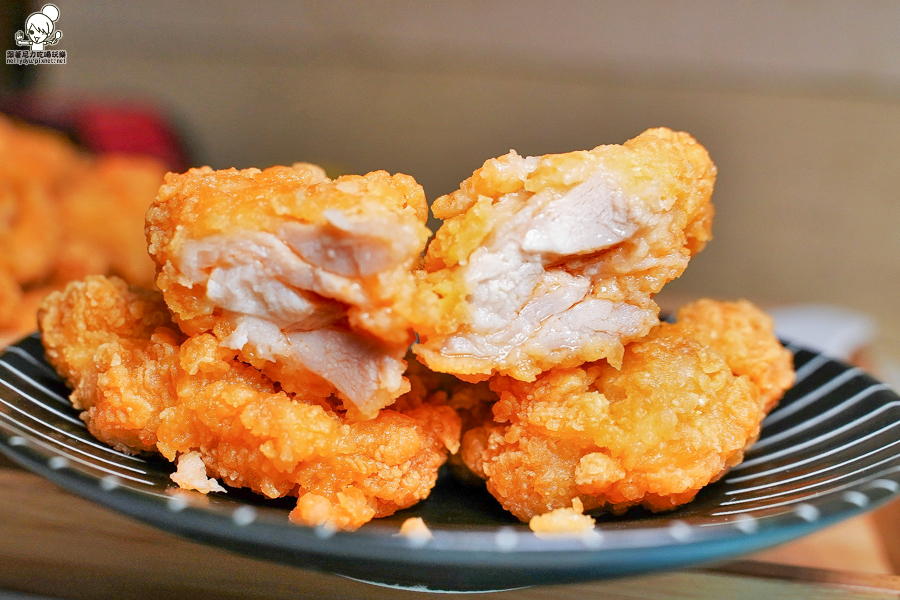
(144, 387)
(553, 261)
(311, 280)
(671, 420)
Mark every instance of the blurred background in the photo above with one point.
(797, 102)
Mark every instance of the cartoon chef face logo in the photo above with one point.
(39, 29)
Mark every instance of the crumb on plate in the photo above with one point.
(569, 520)
(415, 529)
(191, 474)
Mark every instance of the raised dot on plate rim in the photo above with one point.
(243, 516)
(417, 541)
(58, 462)
(592, 538)
(856, 497)
(680, 531)
(807, 512)
(506, 539)
(324, 531)
(746, 523)
(177, 504)
(886, 484)
(109, 483)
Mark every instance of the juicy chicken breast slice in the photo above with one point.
(313, 281)
(554, 260)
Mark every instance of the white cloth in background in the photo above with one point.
(834, 331)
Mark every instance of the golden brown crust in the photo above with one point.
(252, 435)
(143, 387)
(745, 336)
(116, 348)
(207, 202)
(306, 263)
(203, 203)
(682, 409)
(660, 184)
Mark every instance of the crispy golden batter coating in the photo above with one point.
(232, 205)
(116, 347)
(674, 418)
(312, 280)
(144, 387)
(745, 336)
(344, 474)
(553, 261)
(104, 209)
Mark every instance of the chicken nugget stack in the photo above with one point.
(274, 353)
(596, 403)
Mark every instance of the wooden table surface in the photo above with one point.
(55, 544)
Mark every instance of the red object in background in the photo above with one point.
(106, 127)
(128, 130)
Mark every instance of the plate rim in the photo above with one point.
(560, 560)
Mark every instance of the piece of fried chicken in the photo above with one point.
(553, 260)
(745, 336)
(672, 419)
(35, 165)
(143, 386)
(117, 348)
(103, 209)
(312, 280)
(56, 211)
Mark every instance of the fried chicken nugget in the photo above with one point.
(344, 474)
(35, 164)
(745, 335)
(114, 189)
(56, 207)
(145, 388)
(553, 260)
(117, 348)
(312, 280)
(671, 420)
